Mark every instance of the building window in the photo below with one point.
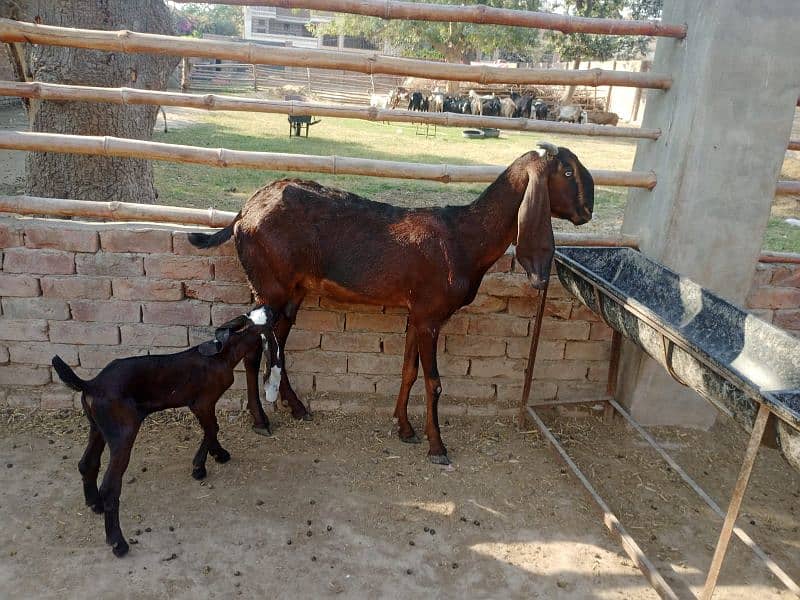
(259, 26)
(331, 41)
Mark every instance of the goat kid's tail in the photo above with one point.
(67, 375)
(209, 240)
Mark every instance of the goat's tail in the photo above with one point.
(67, 375)
(209, 240)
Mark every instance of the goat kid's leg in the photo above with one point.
(428, 337)
(261, 424)
(120, 444)
(410, 371)
(89, 467)
(282, 330)
(210, 444)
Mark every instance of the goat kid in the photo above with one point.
(127, 390)
(297, 237)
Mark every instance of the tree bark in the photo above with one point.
(94, 177)
(567, 97)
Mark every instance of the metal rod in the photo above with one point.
(740, 533)
(541, 300)
(736, 501)
(610, 520)
(613, 371)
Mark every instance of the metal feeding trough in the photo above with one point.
(728, 356)
(479, 134)
(749, 370)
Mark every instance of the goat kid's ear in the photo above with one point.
(535, 241)
(223, 332)
(210, 348)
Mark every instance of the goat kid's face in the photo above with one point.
(571, 188)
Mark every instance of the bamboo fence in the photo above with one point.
(274, 161)
(371, 63)
(51, 91)
(486, 15)
(794, 144)
(788, 188)
(211, 217)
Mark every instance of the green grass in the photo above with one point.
(227, 189)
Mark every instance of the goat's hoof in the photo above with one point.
(97, 507)
(410, 439)
(439, 459)
(222, 456)
(199, 473)
(120, 549)
(265, 431)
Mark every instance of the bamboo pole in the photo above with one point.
(794, 144)
(486, 15)
(275, 161)
(372, 63)
(788, 188)
(51, 91)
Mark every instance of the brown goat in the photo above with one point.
(127, 390)
(297, 237)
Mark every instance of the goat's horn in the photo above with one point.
(551, 149)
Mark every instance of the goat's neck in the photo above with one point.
(489, 225)
(240, 347)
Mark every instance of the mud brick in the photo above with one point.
(21, 286)
(486, 304)
(303, 340)
(110, 264)
(10, 236)
(521, 348)
(24, 375)
(774, 297)
(302, 383)
(499, 325)
(345, 384)
(510, 394)
(375, 322)
(35, 308)
(450, 366)
(197, 335)
(75, 286)
(228, 269)
(143, 288)
(575, 390)
(374, 364)
(475, 345)
(182, 246)
(76, 332)
(41, 353)
(56, 398)
(502, 264)
(97, 357)
(136, 240)
(560, 370)
(218, 292)
(320, 320)
(106, 311)
(168, 266)
(317, 361)
(600, 331)
(588, 350)
(553, 329)
(788, 319)
(497, 367)
(39, 262)
(457, 324)
(28, 330)
(351, 342)
(466, 388)
(506, 284)
(4, 358)
(61, 237)
(183, 312)
(222, 313)
(154, 335)
(395, 343)
(390, 386)
(582, 313)
(786, 276)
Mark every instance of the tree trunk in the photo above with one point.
(567, 97)
(94, 177)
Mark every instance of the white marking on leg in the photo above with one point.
(271, 386)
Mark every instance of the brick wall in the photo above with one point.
(92, 292)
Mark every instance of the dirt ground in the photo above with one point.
(339, 506)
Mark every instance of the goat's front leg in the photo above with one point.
(410, 371)
(89, 467)
(428, 337)
(120, 444)
(204, 411)
(252, 363)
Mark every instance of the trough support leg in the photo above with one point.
(736, 501)
(541, 300)
(613, 371)
(610, 520)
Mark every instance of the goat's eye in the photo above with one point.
(567, 173)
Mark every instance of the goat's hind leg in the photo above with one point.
(410, 371)
(204, 411)
(428, 338)
(282, 329)
(89, 467)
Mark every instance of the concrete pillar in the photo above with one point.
(725, 125)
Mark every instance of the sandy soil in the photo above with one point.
(355, 503)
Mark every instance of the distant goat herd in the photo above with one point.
(512, 106)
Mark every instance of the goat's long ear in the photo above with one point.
(223, 332)
(535, 241)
